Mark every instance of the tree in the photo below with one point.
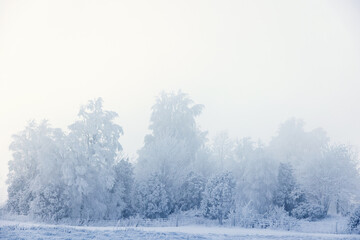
(34, 170)
(51, 202)
(327, 174)
(287, 193)
(175, 138)
(222, 149)
(53, 175)
(256, 176)
(218, 198)
(174, 115)
(191, 192)
(295, 145)
(152, 198)
(354, 221)
(331, 178)
(19, 196)
(204, 164)
(122, 190)
(93, 144)
(171, 148)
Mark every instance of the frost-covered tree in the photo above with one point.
(19, 195)
(294, 145)
(51, 202)
(244, 149)
(287, 193)
(218, 198)
(166, 155)
(256, 176)
(121, 193)
(53, 175)
(327, 174)
(171, 147)
(191, 192)
(34, 172)
(88, 172)
(174, 115)
(204, 164)
(332, 178)
(354, 221)
(22, 169)
(222, 150)
(152, 198)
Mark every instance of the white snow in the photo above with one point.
(28, 230)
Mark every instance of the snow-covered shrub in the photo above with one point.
(354, 221)
(19, 196)
(51, 203)
(279, 218)
(247, 216)
(310, 211)
(275, 218)
(218, 198)
(152, 198)
(345, 207)
(191, 192)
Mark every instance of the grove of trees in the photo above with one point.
(82, 173)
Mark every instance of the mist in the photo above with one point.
(254, 66)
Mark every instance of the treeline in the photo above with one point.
(83, 174)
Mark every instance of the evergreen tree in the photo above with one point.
(121, 192)
(191, 192)
(286, 184)
(218, 198)
(354, 221)
(152, 198)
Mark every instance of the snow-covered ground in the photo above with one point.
(28, 230)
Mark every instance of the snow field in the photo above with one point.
(19, 230)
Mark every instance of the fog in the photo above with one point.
(252, 64)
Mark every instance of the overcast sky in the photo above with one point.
(253, 64)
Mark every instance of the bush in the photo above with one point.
(279, 219)
(274, 218)
(247, 216)
(51, 203)
(310, 211)
(354, 221)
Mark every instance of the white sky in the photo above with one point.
(253, 64)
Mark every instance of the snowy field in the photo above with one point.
(24, 230)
